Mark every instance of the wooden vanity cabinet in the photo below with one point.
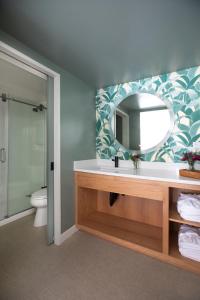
(144, 217)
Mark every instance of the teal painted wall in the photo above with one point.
(181, 90)
(77, 126)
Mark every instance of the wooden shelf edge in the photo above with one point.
(179, 260)
(119, 241)
(175, 217)
(183, 263)
(130, 231)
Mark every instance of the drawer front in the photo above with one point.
(121, 185)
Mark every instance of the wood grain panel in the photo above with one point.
(86, 203)
(135, 232)
(121, 185)
(165, 226)
(131, 221)
(133, 208)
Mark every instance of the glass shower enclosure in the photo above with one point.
(22, 155)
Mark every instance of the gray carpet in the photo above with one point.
(83, 268)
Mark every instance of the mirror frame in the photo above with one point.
(157, 146)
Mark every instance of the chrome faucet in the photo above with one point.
(116, 160)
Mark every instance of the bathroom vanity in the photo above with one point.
(143, 216)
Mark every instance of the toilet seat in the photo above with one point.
(41, 194)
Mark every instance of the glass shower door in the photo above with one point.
(26, 155)
(3, 158)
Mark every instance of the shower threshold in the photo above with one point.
(17, 216)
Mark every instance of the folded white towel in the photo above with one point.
(188, 206)
(192, 218)
(189, 242)
(185, 196)
(187, 229)
(191, 255)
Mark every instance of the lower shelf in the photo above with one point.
(127, 231)
(183, 261)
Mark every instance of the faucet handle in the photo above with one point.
(116, 160)
(114, 157)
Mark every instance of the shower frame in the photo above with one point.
(4, 165)
(16, 57)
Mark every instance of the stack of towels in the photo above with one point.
(188, 206)
(189, 242)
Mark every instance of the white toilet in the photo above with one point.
(39, 201)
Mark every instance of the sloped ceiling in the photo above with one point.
(105, 42)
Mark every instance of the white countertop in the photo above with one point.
(148, 170)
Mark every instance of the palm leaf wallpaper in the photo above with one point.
(181, 89)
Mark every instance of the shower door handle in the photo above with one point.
(2, 155)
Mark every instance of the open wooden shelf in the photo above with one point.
(114, 228)
(142, 219)
(175, 217)
(182, 261)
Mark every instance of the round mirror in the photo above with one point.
(142, 122)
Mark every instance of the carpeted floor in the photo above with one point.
(83, 268)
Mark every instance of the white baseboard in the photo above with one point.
(17, 216)
(65, 235)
